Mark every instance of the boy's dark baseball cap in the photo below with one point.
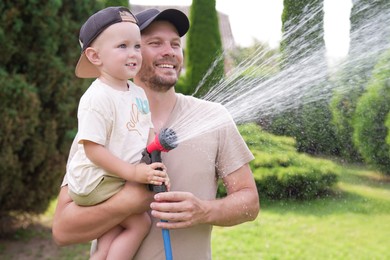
(92, 28)
(174, 16)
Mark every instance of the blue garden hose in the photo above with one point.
(165, 141)
(156, 157)
(167, 243)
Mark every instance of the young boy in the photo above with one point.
(114, 126)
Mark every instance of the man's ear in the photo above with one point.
(93, 56)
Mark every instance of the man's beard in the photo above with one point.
(155, 82)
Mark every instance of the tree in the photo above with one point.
(302, 26)
(387, 124)
(259, 56)
(204, 60)
(368, 34)
(369, 120)
(124, 3)
(342, 107)
(303, 48)
(38, 98)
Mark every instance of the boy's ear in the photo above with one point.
(93, 56)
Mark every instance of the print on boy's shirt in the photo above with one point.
(134, 120)
(143, 105)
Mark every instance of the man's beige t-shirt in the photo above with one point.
(210, 147)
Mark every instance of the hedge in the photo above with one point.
(280, 172)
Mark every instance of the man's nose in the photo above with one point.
(168, 49)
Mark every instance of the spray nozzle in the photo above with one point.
(165, 141)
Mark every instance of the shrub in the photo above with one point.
(280, 172)
(19, 113)
(38, 98)
(342, 106)
(317, 134)
(369, 120)
(304, 178)
(388, 131)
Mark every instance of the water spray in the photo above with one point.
(165, 141)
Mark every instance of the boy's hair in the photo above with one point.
(92, 28)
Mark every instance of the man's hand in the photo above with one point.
(183, 209)
(180, 209)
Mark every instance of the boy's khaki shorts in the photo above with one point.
(108, 187)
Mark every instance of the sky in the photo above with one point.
(261, 20)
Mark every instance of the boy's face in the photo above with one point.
(162, 56)
(119, 51)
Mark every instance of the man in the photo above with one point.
(190, 208)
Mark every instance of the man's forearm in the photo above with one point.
(234, 209)
(241, 204)
(75, 224)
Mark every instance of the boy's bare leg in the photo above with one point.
(104, 243)
(126, 244)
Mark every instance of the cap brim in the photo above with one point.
(176, 17)
(85, 69)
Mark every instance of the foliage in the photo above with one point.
(181, 86)
(356, 72)
(297, 177)
(342, 107)
(363, 10)
(317, 135)
(204, 60)
(369, 121)
(19, 110)
(302, 26)
(124, 3)
(38, 98)
(280, 172)
(310, 125)
(257, 57)
(387, 124)
(309, 121)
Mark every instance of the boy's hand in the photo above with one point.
(154, 174)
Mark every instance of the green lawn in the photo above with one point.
(354, 223)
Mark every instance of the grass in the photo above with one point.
(354, 223)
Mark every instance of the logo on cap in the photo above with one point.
(127, 17)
